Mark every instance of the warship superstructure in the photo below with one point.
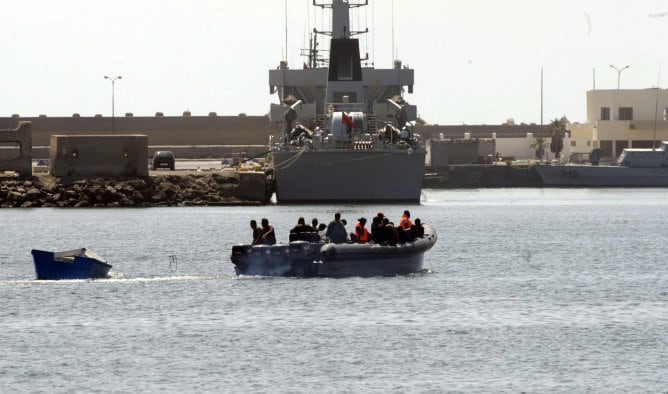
(347, 128)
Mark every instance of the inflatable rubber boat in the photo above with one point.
(324, 259)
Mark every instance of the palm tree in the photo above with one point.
(558, 127)
(539, 145)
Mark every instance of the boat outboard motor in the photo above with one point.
(241, 250)
(300, 251)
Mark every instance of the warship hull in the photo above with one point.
(603, 176)
(319, 176)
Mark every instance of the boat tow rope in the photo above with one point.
(174, 262)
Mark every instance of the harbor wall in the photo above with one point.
(160, 130)
(99, 155)
(214, 129)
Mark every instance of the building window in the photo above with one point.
(665, 114)
(605, 113)
(625, 113)
(572, 142)
(588, 143)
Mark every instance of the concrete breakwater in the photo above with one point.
(168, 190)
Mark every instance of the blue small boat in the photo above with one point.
(69, 264)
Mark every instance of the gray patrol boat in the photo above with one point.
(347, 128)
(634, 168)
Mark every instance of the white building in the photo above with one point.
(621, 118)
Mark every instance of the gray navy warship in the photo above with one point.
(347, 129)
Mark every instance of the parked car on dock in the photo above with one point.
(163, 159)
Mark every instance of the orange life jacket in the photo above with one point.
(405, 222)
(362, 232)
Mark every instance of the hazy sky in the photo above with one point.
(475, 61)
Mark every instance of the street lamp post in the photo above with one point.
(113, 115)
(619, 73)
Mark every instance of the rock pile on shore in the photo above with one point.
(171, 190)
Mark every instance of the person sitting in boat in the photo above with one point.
(404, 228)
(393, 235)
(376, 222)
(316, 231)
(322, 232)
(387, 233)
(257, 233)
(361, 233)
(336, 230)
(403, 236)
(268, 234)
(405, 221)
(417, 230)
(301, 231)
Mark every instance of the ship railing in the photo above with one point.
(345, 107)
(358, 141)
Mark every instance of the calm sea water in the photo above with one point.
(527, 290)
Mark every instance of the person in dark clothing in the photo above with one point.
(402, 235)
(375, 224)
(268, 234)
(336, 231)
(301, 231)
(417, 230)
(391, 233)
(257, 233)
(386, 233)
(378, 235)
(315, 235)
